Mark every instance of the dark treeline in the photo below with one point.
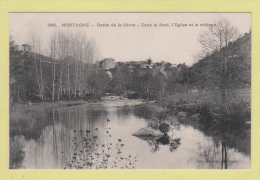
(70, 72)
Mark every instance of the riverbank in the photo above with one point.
(27, 122)
(29, 119)
(212, 98)
(203, 111)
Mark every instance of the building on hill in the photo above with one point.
(107, 63)
(26, 47)
(143, 66)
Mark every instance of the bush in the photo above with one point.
(205, 114)
(146, 111)
(154, 123)
(134, 95)
(162, 115)
(164, 128)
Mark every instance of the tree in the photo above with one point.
(53, 53)
(36, 51)
(216, 40)
(158, 85)
(98, 82)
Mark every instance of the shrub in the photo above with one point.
(164, 128)
(146, 111)
(154, 123)
(162, 115)
(205, 114)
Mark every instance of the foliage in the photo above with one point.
(146, 111)
(62, 75)
(86, 155)
(205, 114)
(164, 128)
(217, 40)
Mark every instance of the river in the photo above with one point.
(112, 121)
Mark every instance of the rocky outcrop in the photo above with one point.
(148, 131)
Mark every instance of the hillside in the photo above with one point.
(206, 72)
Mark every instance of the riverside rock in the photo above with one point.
(148, 131)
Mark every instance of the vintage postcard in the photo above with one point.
(129, 90)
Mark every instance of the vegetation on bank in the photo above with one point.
(29, 120)
(230, 127)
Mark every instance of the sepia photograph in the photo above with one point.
(129, 90)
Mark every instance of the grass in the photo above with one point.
(212, 98)
(147, 111)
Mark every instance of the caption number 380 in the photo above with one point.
(52, 25)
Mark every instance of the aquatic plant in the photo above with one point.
(88, 154)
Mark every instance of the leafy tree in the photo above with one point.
(158, 86)
(98, 82)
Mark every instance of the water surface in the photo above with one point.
(55, 147)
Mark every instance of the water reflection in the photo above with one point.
(187, 147)
(16, 153)
(165, 140)
(229, 138)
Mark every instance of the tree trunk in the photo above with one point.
(53, 81)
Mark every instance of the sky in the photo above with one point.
(168, 43)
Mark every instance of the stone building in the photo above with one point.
(107, 63)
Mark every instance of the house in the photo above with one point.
(26, 47)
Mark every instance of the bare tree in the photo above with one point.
(67, 47)
(216, 39)
(61, 54)
(53, 52)
(36, 50)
